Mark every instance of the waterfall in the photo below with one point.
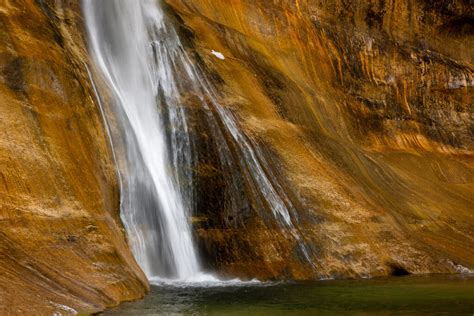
(139, 55)
(126, 40)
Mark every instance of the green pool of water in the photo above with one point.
(446, 295)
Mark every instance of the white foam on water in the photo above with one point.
(204, 280)
(460, 268)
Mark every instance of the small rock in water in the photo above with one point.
(218, 54)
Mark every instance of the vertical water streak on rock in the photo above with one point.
(251, 161)
(258, 171)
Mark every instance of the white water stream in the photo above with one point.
(124, 38)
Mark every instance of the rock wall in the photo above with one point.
(364, 110)
(61, 244)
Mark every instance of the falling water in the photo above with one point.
(139, 55)
(125, 39)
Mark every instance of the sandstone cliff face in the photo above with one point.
(61, 243)
(364, 111)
